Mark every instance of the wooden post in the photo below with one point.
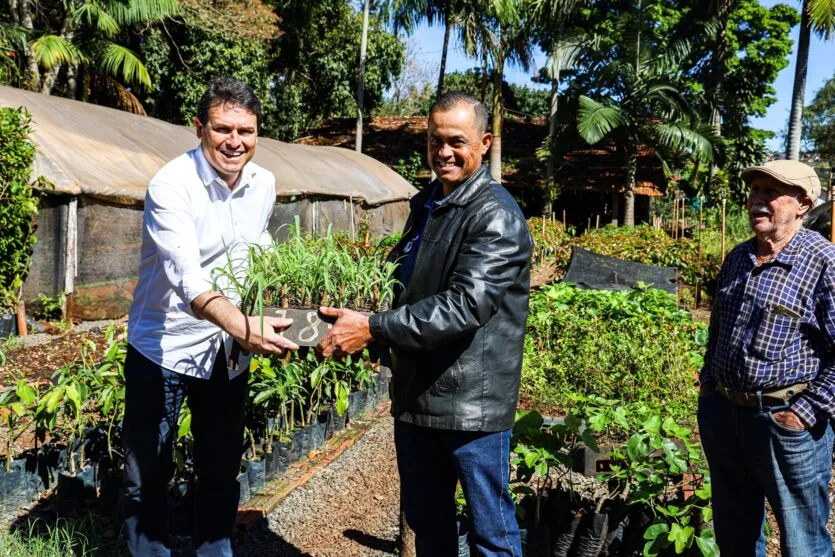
(351, 209)
(21, 319)
(597, 221)
(697, 299)
(563, 219)
(588, 223)
(723, 226)
(675, 217)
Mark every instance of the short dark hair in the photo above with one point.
(454, 99)
(228, 90)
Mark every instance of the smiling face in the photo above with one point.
(455, 145)
(228, 139)
(775, 210)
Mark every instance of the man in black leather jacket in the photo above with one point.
(456, 336)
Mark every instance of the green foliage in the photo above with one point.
(819, 122)
(18, 203)
(626, 345)
(309, 270)
(82, 537)
(49, 308)
(177, 93)
(410, 168)
(643, 244)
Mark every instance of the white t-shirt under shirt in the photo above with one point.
(193, 223)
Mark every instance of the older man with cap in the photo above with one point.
(768, 383)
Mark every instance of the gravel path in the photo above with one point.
(349, 508)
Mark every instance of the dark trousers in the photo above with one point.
(153, 397)
(431, 462)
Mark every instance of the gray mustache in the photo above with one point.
(758, 208)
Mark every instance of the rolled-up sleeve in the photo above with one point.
(170, 225)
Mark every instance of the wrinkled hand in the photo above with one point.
(267, 341)
(789, 420)
(349, 334)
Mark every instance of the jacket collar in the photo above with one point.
(462, 195)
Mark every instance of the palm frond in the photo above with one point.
(677, 136)
(822, 17)
(123, 64)
(128, 12)
(127, 101)
(595, 120)
(94, 14)
(50, 50)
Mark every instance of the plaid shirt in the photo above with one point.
(773, 325)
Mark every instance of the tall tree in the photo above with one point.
(642, 104)
(817, 16)
(819, 122)
(84, 36)
(496, 33)
(361, 74)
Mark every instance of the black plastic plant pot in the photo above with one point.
(318, 430)
(74, 490)
(278, 460)
(12, 486)
(335, 422)
(536, 540)
(591, 534)
(256, 473)
(243, 482)
(301, 444)
(110, 489)
(357, 403)
(8, 324)
(383, 388)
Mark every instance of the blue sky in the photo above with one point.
(821, 68)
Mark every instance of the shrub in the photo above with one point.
(643, 244)
(626, 345)
(18, 203)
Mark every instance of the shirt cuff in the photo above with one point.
(803, 408)
(195, 284)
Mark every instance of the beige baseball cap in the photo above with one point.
(791, 173)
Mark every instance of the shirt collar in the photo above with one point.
(791, 252)
(209, 175)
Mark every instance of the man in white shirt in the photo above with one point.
(201, 210)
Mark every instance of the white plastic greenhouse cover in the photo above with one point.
(93, 150)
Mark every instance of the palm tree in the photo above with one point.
(644, 107)
(817, 16)
(497, 34)
(85, 37)
(408, 14)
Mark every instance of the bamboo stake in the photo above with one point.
(699, 254)
(723, 228)
(597, 221)
(563, 219)
(351, 209)
(675, 217)
(588, 223)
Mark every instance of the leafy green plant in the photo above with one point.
(18, 203)
(50, 308)
(16, 409)
(410, 168)
(544, 455)
(630, 346)
(307, 271)
(661, 467)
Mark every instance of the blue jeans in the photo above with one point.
(753, 458)
(153, 397)
(431, 462)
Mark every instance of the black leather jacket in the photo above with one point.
(456, 332)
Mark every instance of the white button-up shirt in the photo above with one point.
(193, 223)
